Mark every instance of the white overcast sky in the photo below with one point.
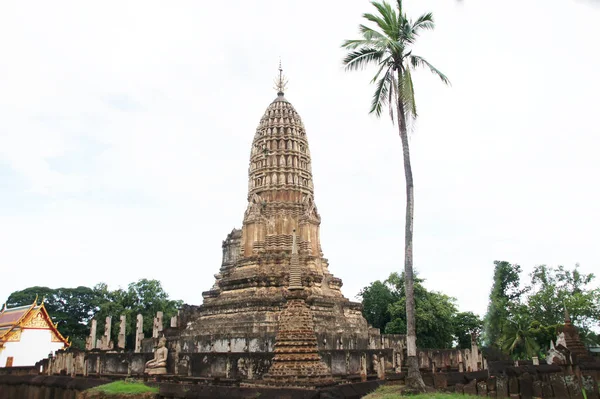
(125, 132)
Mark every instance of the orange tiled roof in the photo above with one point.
(17, 318)
(12, 316)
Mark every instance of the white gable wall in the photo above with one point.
(34, 346)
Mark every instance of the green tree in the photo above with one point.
(70, 308)
(465, 324)
(145, 297)
(434, 314)
(551, 289)
(389, 47)
(74, 308)
(505, 296)
(517, 337)
(522, 321)
(376, 301)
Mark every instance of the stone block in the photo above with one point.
(138, 362)
(559, 387)
(218, 367)
(590, 385)
(440, 381)
(574, 387)
(157, 371)
(427, 379)
(338, 363)
(238, 345)
(526, 386)
(221, 345)
(471, 388)
(255, 345)
(547, 390)
(482, 388)
(354, 363)
(537, 389)
(513, 385)
(491, 382)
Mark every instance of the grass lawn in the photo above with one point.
(394, 392)
(123, 387)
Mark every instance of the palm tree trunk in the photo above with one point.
(414, 381)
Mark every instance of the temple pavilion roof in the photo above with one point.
(34, 316)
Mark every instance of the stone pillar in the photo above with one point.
(121, 342)
(91, 341)
(381, 369)
(174, 321)
(106, 343)
(536, 360)
(139, 333)
(363, 367)
(474, 356)
(158, 325)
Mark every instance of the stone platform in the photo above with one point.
(348, 391)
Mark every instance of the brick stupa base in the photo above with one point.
(297, 362)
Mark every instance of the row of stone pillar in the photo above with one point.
(105, 342)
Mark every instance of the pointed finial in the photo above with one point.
(280, 82)
(567, 316)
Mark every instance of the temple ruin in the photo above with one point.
(260, 263)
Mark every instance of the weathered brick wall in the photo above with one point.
(228, 365)
(40, 386)
(544, 381)
(23, 370)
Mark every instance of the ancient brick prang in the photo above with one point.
(259, 265)
(297, 361)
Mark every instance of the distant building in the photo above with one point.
(27, 335)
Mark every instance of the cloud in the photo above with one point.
(125, 135)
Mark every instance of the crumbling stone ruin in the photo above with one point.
(259, 265)
(275, 315)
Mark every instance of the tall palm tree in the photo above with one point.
(389, 46)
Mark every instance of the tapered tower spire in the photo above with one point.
(277, 252)
(280, 82)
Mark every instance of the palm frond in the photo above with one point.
(381, 24)
(405, 30)
(386, 63)
(393, 95)
(388, 44)
(417, 61)
(353, 44)
(380, 98)
(399, 7)
(362, 57)
(531, 346)
(388, 15)
(407, 95)
(425, 22)
(386, 20)
(371, 34)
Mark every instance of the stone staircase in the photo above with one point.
(295, 271)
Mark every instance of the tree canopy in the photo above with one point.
(522, 318)
(73, 308)
(438, 322)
